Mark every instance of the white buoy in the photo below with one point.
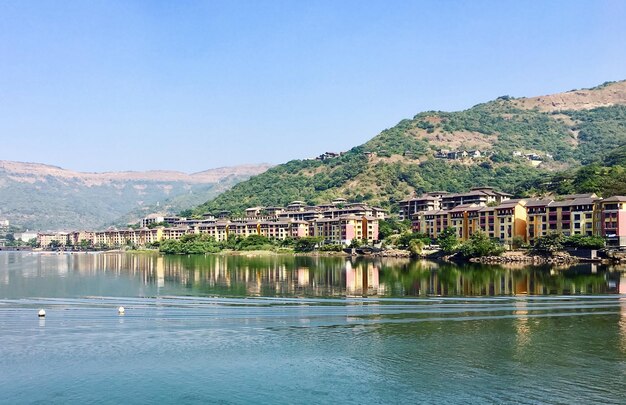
(120, 310)
(42, 313)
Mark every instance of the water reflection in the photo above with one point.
(29, 274)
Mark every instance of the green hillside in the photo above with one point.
(604, 178)
(566, 130)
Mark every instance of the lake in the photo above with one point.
(285, 329)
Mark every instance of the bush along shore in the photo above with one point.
(203, 244)
(550, 249)
(478, 248)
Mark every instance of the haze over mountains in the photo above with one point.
(527, 146)
(39, 196)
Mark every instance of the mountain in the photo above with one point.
(523, 143)
(38, 196)
(607, 177)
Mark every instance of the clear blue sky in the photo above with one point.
(186, 85)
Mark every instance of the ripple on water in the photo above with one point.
(518, 350)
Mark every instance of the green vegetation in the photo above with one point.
(585, 242)
(556, 241)
(606, 178)
(479, 245)
(158, 224)
(515, 128)
(600, 130)
(307, 244)
(390, 226)
(448, 241)
(409, 238)
(400, 160)
(201, 243)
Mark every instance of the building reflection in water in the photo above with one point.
(622, 322)
(522, 328)
(284, 275)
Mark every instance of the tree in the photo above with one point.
(10, 239)
(186, 213)
(479, 245)
(356, 243)
(306, 244)
(448, 240)
(517, 242)
(416, 246)
(550, 243)
(404, 241)
(388, 227)
(585, 241)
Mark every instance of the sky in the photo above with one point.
(191, 85)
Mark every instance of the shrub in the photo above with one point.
(479, 245)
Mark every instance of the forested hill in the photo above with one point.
(524, 142)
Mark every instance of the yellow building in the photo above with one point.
(504, 222)
(574, 215)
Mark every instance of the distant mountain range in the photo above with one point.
(525, 146)
(39, 196)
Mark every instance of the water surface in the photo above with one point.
(306, 330)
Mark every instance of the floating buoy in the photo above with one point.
(42, 313)
(120, 310)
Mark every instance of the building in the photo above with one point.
(476, 195)
(25, 236)
(433, 201)
(504, 222)
(527, 219)
(537, 219)
(458, 154)
(611, 222)
(572, 215)
(344, 229)
(48, 239)
(160, 219)
(425, 202)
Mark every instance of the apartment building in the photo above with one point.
(529, 219)
(46, 239)
(158, 219)
(426, 202)
(440, 200)
(476, 195)
(611, 222)
(345, 229)
(122, 237)
(431, 223)
(572, 215)
(503, 222)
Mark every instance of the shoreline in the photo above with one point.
(511, 257)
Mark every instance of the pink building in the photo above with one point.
(613, 221)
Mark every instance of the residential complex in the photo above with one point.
(527, 219)
(481, 209)
(443, 200)
(338, 222)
